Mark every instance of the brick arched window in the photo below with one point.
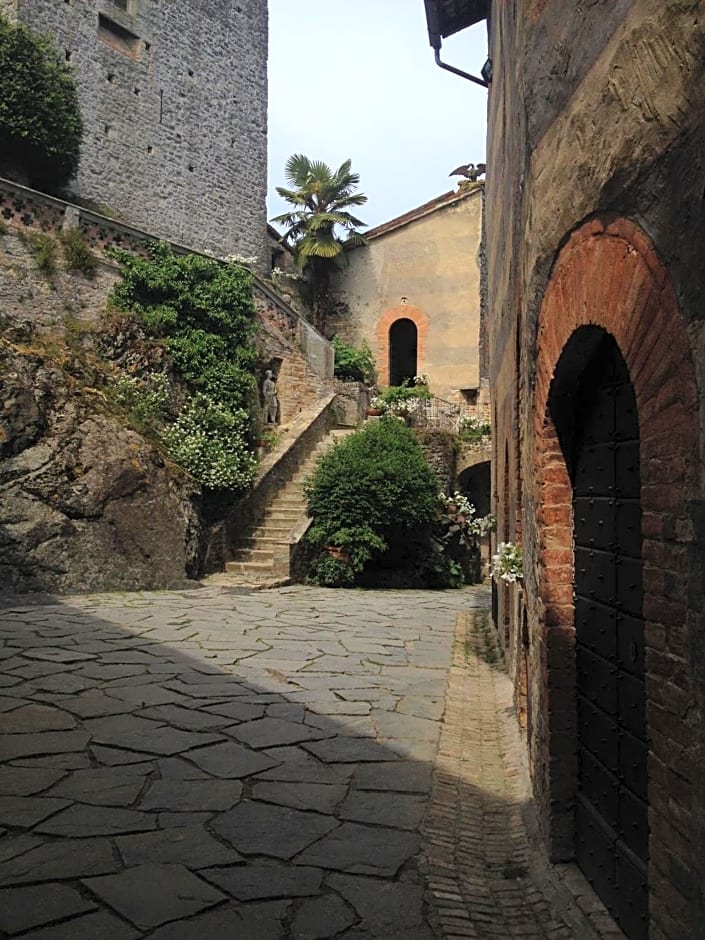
(384, 326)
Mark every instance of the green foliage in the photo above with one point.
(146, 402)
(43, 249)
(178, 293)
(402, 393)
(327, 571)
(210, 441)
(320, 198)
(202, 309)
(353, 363)
(77, 253)
(40, 122)
(370, 490)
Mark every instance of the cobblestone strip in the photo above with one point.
(478, 856)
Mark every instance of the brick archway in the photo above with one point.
(608, 275)
(390, 316)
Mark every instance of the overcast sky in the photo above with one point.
(357, 79)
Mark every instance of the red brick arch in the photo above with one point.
(608, 275)
(390, 316)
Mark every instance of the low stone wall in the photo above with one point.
(22, 207)
(353, 402)
(439, 451)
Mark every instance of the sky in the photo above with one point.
(357, 79)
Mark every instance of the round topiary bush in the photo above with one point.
(40, 121)
(374, 496)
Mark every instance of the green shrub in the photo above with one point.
(42, 247)
(202, 310)
(40, 122)
(176, 294)
(353, 363)
(327, 571)
(77, 253)
(145, 402)
(402, 393)
(209, 440)
(369, 492)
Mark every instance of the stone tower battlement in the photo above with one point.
(174, 100)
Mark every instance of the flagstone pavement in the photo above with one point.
(288, 763)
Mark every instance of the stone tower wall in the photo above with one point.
(174, 100)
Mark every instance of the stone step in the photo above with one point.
(263, 541)
(254, 554)
(279, 533)
(289, 501)
(281, 515)
(249, 567)
(297, 508)
(254, 557)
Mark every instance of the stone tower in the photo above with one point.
(174, 100)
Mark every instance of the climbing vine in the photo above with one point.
(202, 311)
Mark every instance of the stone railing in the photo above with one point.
(317, 350)
(27, 208)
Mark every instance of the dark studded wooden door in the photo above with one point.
(611, 808)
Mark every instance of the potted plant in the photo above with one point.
(377, 406)
(338, 553)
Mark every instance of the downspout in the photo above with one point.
(452, 68)
(434, 36)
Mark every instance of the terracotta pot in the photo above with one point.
(336, 552)
(374, 412)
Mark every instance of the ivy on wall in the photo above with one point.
(203, 312)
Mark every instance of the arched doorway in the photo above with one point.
(595, 413)
(474, 482)
(608, 272)
(403, 350)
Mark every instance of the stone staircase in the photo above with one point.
(263, 554)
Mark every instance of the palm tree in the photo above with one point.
(321, 198)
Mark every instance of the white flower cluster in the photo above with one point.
(241, 259)
(401, 408)
(459, 506)
(507, 562)
(292, 275)
(462, 504)
(421, 379)
(210, 442)
(474, 429)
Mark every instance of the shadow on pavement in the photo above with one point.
(178, 765)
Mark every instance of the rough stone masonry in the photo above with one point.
(174, 102)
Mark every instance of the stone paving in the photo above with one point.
(292, 763)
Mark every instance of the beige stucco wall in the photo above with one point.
(430, 266)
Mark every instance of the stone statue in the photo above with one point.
(269, 394)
